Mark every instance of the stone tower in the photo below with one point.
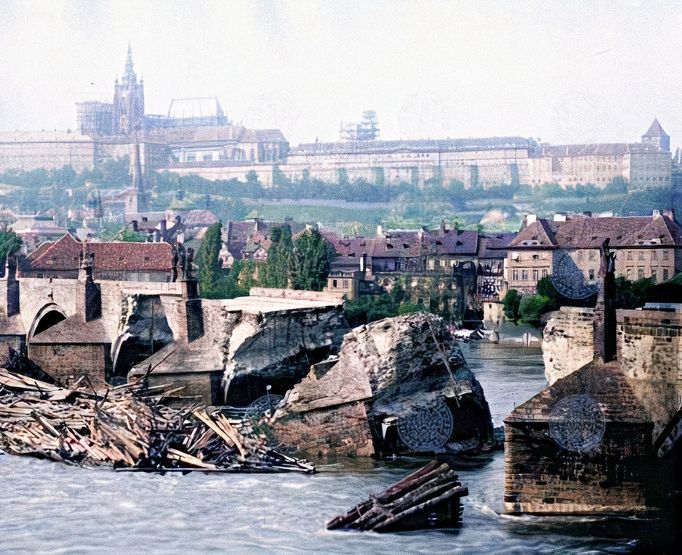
(657, 137)
(128, 112)
(137, 198)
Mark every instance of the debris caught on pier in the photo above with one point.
(427, 498)
(128, 428)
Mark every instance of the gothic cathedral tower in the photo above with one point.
(128, 100)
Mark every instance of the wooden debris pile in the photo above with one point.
(128, 428)
(427, 498)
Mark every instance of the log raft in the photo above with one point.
(427, 498)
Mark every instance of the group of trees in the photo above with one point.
(302, 263)
(530, 308)
(375, 307)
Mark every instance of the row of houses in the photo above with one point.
(566, 247)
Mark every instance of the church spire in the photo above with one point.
(129, 72)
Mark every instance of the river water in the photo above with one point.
(50, 507)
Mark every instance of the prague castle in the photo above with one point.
(197, 137)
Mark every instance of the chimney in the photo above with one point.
(587, 213)
(163, 227)
(531, 219)
(363, 262)
(88, 295)
(656, 212)
(380, 230)
(670, 213)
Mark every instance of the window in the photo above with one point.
(544, 273)
(654, 255)
(524, 275)
(580, 255)
(640, 255)
(629, 255)
(640, 273)
(591, 274)
(665, 255)
(535, 275)
(334, 284)
(629, 273)
(666, 275)
(592, 255)
(515, 275)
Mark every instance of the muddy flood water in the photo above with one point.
(50, 507)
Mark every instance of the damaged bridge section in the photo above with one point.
(397, 385)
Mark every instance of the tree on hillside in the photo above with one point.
(208, 259)
(275, 272)
(311, 260)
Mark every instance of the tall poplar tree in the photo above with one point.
(208, 259)
(275, 271)
(311, 261)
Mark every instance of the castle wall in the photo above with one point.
(43, 150)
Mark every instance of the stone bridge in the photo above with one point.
(68, 325)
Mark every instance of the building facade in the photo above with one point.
(646, 247)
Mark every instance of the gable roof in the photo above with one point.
(494, 245)
(582, 232)
(64, 255)
(604, 383)
(536, 234)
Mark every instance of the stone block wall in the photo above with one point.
(649, 344)
(568, 341)
(541, 478)
(68, 362)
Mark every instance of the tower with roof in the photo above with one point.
(128, 111)
(137, 198)
(657, 137)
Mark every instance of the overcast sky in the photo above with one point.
(561, 71)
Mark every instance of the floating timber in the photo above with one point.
(128, 428)
(427, 498)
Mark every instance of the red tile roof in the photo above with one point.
(585, 233)
(63, 255)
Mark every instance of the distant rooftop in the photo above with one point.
(486, 143)
(201, 109)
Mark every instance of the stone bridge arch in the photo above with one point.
(49, 315)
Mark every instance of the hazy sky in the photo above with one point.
(561, 71)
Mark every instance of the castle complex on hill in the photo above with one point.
(197, 137)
